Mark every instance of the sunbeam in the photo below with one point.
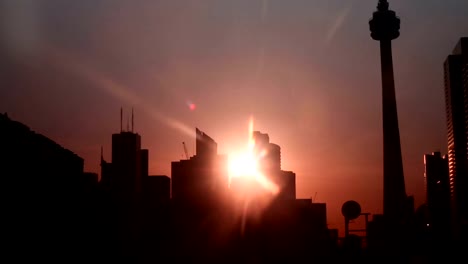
(115, 89)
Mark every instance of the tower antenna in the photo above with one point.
(132, 119)
(383, 5)
(128, 128)
(121, 117)
(185, 150)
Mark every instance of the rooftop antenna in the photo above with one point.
(132, 119)
(383, 5)
(315, 195)
(102, 158)
(121, 117)
(128, 128)
(185, 150)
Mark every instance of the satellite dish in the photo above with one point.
(351, 210)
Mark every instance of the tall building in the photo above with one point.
(127, 161)
(270, 165)
(384, 27)
(204, 144)
(456, 105)
(123, 179)
(202, 178)
(269, 153)
(199, 209)
(125, 174)
(437, 193)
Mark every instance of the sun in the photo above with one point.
(243, 165)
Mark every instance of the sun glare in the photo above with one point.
(243, 165)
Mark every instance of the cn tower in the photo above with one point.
(385, 27)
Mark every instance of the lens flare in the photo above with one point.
(192, 106)
(245, 164)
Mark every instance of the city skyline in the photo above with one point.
(316, 104)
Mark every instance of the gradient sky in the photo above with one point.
(306, 70)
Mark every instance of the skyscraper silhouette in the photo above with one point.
(269, 163)
(124, 179)
(437, 194)
(456, 103)
(384, 27)
(202, 179)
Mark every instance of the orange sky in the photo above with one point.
(307, 71)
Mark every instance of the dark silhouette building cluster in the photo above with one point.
(47, 195)
(201, 213)
(194, 215)
(445, 213)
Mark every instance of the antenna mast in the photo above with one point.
(132, 119)
(121, 117)
(185, 150)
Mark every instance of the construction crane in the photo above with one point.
(185, 150)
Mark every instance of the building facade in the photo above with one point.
(202, 178)
(269, 159)
(456, 102)
(437, 193)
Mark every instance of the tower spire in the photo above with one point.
(385, 27)
(382, 5)
(121, 117)
(132, 119)
(128, 128)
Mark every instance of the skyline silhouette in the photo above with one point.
(130, 215)
(270, 61)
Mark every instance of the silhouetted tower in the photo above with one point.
(384, 27)
(456, 106)
(124, 175)
(200, 179)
